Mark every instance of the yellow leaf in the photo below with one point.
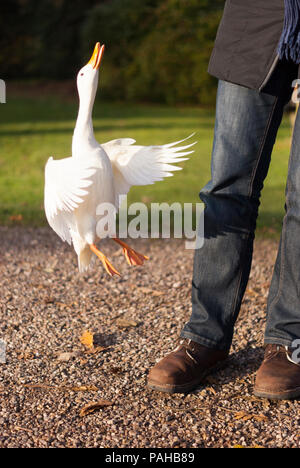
(87, 339)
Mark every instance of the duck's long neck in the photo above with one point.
(83, 135)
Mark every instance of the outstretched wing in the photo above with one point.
(143, 165)
(66, 185)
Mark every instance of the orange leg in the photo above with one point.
(107, 265)
(132, 257)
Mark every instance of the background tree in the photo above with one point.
(157, 50)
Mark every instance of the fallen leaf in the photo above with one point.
(260, 417)
(39, 386)
(145, 290)
(244, 416)
(154, 292)
(247, 417)
(80, 388)
(87, 339)
(240, 415)
(65, 357)
(243, 446)
(84, 388)
(25, 429)
(125, 323)
(94, 406)
(157, 293)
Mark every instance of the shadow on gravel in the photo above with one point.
(243, 362)
(101, 339)
(240, 364)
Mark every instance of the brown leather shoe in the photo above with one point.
(278, 377)
(184, 368)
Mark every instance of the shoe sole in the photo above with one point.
(185, 388)
(288, 395)
(175, 388)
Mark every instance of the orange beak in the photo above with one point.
(97, 56)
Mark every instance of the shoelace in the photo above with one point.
(186, 343)
(276, 349)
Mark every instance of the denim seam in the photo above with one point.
(261, 148)
(238, 286)
(282, 257)
(250, 193)
(281, 275)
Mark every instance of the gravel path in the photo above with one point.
(50, 376)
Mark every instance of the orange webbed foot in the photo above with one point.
(111, 270)
(132, 256)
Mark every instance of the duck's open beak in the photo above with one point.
(97, 56)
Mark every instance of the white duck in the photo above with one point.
(96, 174)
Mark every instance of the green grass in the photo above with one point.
(32, 129)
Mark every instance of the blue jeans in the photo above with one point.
(245, 131)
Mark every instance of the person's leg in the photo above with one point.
(279, 374)
(283, 307)
(246, 126)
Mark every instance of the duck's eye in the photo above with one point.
(81, 74)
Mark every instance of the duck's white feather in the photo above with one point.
(143, 165)
(67, 183)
